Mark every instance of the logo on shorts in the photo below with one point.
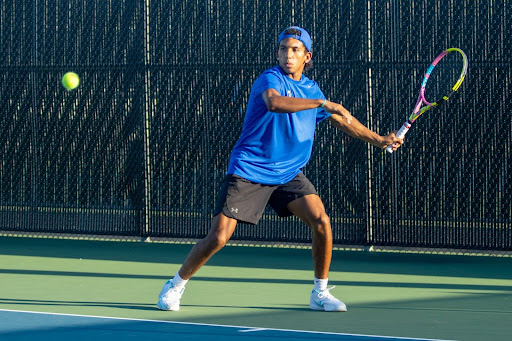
(234, 210)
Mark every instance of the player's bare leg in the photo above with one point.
(311, 210)
(220, 232)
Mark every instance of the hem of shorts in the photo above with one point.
(239, 220)
(285, 208)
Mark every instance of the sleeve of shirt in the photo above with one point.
(268, 80)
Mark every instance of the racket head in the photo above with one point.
(442, 79)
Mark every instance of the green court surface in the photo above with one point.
(387, 294)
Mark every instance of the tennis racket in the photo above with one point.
(444, 77)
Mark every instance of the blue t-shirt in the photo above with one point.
(273, 147)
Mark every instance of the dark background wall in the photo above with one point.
(139, 149)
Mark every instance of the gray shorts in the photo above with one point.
(245, 200)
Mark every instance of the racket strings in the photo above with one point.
(444, 78)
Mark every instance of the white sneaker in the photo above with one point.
(169, 298)
(323, 300)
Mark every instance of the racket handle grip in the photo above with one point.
(400, 134)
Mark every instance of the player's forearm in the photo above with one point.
(358, 130)
(284, 104)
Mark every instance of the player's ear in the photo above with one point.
(309, 56)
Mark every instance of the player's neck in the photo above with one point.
(295, 76)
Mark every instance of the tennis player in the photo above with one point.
(265, 166)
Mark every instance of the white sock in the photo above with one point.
(321, 284)
(178, 281)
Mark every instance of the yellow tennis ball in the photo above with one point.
(70, 80)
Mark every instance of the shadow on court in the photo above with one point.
(43, 303)
(261, 280)
(261, 257)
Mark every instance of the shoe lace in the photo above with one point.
(326, 292)
(175, 289)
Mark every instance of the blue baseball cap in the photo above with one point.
(301, 35)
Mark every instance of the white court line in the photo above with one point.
(243, 328)
(252, 330)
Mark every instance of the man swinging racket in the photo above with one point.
(265, 166)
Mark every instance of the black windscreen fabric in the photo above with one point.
(141, 147)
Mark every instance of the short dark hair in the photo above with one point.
(296, 32)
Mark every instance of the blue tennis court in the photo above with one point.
(24, 325)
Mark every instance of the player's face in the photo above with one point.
(292, 56)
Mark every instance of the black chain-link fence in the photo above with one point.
(140, 148)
